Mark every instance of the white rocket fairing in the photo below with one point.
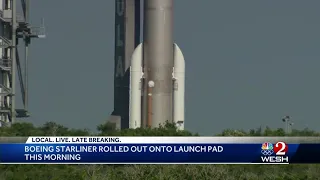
(136, 76)
(178, 79)
(178, 87)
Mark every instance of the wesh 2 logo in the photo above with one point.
(274, 153)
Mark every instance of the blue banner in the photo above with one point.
(158, 153)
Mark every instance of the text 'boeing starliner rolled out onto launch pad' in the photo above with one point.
(150, 76)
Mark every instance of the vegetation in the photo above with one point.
(151, 172)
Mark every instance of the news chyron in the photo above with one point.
(274, 153)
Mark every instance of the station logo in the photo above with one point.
(274, 153)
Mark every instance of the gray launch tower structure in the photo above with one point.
(14, 27)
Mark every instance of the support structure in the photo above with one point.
(288, 124)
(12, 28)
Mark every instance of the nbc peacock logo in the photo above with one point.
(267, 149)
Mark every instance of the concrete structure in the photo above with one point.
(13, 28)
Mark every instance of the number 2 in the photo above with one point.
(282, 146)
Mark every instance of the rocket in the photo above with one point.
(157, 71)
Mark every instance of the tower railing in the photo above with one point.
(4, 43)
(5, 64)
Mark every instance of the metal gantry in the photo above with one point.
(288, 124)
(14, 27)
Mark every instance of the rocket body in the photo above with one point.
(149, 78)
(158, 60)
(157, 71)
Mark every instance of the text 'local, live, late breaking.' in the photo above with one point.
(75, 139)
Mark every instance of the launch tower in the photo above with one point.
(12, 28)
